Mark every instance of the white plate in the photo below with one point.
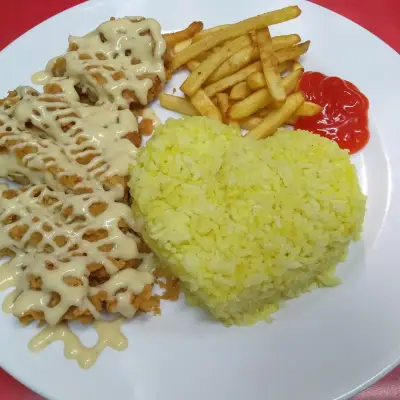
(328, 344)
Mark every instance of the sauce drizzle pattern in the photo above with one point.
(74, 247)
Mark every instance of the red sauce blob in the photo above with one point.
(344, 117)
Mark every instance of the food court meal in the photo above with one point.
(244, 224)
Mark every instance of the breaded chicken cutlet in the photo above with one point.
(77, 255)
(121, 62)
(72, 147)
(74, 246)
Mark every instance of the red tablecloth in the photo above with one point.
(382, 17)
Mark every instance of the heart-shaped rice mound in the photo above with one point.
(245, 224)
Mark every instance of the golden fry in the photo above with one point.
(257, 80)
(182, 45)
(307, 109)
(296, 66)
(292, 53)
(233, 79)
(240, 91)
(286, 65)
(290, 82)
(263, 112)
(277, 118)
(223, 104)
(177, 104)
(250, 104)
(262, 98)
(205, 106)
(283, 41)
(208, 66)
(192, 65)
(250, 123)
(175, 37)
(250, 54)
(234, 30)
(234, 63)
(269, 64)
(214, 100)
(234, 124)
(208, 32)
(203, 56)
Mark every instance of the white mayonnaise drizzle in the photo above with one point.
(120, 57)
(69, 222)
(148, 113)
(41, 77)
(109, 335)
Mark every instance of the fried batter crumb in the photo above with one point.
(170, 284)
(146, 127)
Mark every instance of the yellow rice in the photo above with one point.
(246, 224)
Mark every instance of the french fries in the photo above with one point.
(208, 32)
(234, 124)
(232, 31)
(248, 55)
(283, 41)
(292, 53)
(260, 99)
(284, 66)
(175, 37)
(182, 45)
(177, 104)
(231, 80)
(257, 80)
(250, 122)
(239, 74)
(234, 64)
(263, 112)
(279, 42)
(269, 65)
(240, 91)
(250, 104)
(203, 56)
(223, 104)
(192, 65)
(205, 106)
(277, 118)
(307, 109)
(208, 66)
(296, 65)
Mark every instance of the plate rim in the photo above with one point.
(93, 3)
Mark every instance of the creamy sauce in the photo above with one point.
(148, 263)
(119, 58)
(148, 113)
(87, 144)
(11, 271)
(109, 335)
(74, 244)
(41, 77)
(30, 208)
(8, 302)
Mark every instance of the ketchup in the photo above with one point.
(344, 117)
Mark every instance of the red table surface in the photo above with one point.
(381, 17)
